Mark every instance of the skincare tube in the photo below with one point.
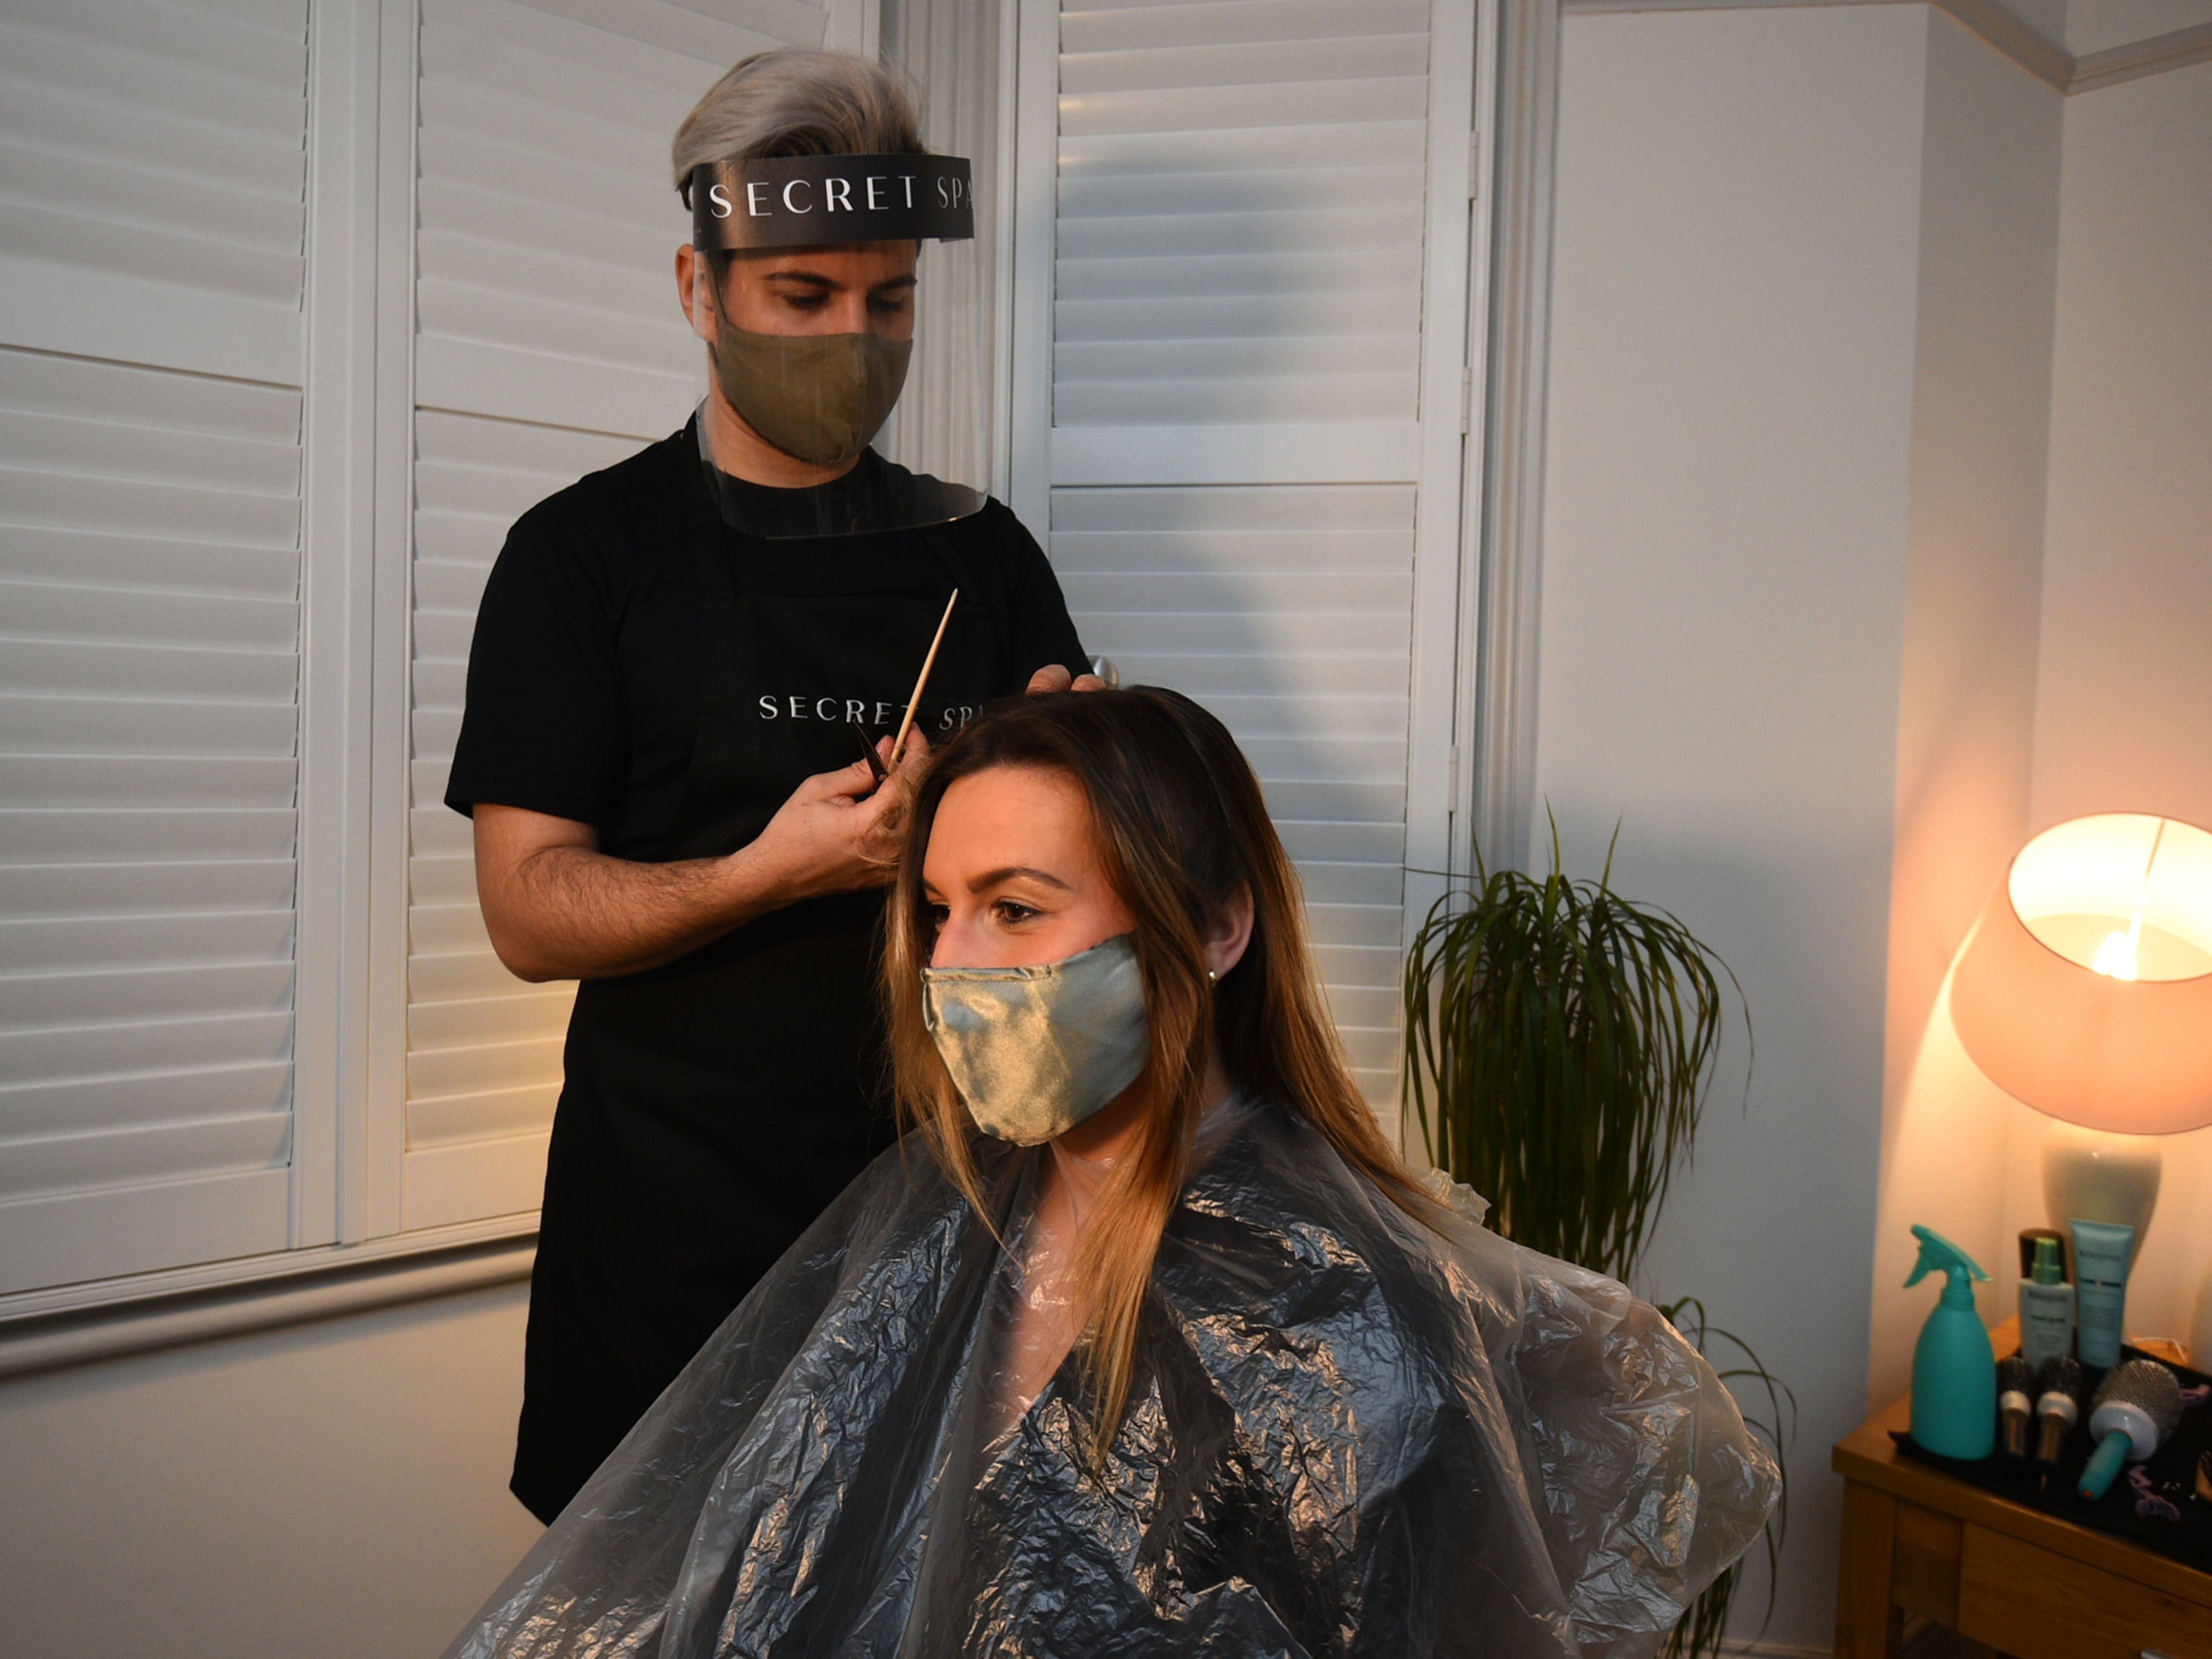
(2100, 1290)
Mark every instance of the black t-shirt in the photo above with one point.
(584, 678)
(640, 666)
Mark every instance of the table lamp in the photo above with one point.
(2085, 990)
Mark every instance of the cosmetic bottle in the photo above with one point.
(2046, 1308)
(2029, 1237)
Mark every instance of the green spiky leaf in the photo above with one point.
(1560, 1041)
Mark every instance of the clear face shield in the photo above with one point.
(850, 314)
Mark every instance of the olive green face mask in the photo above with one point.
(818, 396)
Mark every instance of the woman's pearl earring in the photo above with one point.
(1212, 978)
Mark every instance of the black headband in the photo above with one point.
(804, 201)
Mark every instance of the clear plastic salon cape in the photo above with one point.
(1347, 1434)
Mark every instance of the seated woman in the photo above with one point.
(1174, 1356)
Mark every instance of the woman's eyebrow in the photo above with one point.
(993, 877)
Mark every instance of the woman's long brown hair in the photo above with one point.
(1182, 827)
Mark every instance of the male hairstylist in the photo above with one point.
(659, 750)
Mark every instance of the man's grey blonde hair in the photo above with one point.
(796, 102)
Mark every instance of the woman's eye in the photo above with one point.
(1011, 912)
(938, 915)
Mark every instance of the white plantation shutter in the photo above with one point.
(1240, 218)
(152, 180)
(1241, 325)
(483, 1049)
(548, 224)
(1284, 610)
(152, 211)
(549, 345)
(300, 309)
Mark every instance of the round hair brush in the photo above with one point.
(2138, 1405)
(2015, 1405)
(2057, 1405)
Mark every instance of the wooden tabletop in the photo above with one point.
(1868, 1455)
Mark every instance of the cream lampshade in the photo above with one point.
(2086, 991)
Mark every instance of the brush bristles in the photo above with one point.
(2149, 1387)
(2061, 1375)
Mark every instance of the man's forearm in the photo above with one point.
(577, 914)
(557, 908)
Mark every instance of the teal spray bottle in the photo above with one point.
(1954, 1370)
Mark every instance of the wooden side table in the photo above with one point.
(2029, 1584)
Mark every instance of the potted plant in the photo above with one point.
(1560, 1041)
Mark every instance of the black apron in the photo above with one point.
(715, 1106)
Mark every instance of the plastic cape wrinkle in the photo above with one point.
(1653, 1485)
(1651, 1480)
(604, 1579)
(803, 1518)
(1347, 1435)
(1379, 1422)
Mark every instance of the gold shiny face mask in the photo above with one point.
(1035, 1051)
(819, 397)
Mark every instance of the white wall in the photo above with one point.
(2124, 714)
(1796, 475)
(1988, 223)
(1727, 508)
(335, 1490)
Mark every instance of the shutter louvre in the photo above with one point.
(153, 207)
(143, 138)
(1236, 365)
(549, 345)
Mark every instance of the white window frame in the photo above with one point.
(358, 355)
(1448, 476)
(357, 367)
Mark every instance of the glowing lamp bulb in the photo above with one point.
(2116, 957)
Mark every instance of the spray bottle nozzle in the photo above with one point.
(1938, 1255)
